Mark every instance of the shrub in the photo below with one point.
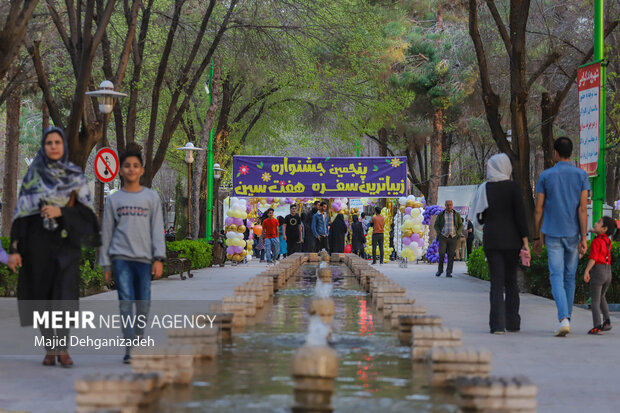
(199, 252)
(477, 265)
(537, 276)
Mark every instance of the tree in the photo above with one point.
(15, 26)
(11, 157)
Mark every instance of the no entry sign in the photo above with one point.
(106, 165)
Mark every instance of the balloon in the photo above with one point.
(276, 200)
(408, 210)
(238, 249)
(228, 221)
(402, 200)
(415, 212)
(258, 230)
(230, 250)
(417, 228)
(229, 213)
(270, 200)
(410, 203)
(248, 258)
(232, 228)
(244, 253)
(420, 243)
(241, 229)
(402, 209)
(406, 241)
(348, 249)
(229, 256)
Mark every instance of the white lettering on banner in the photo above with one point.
(589, 117)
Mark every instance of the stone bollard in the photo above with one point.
(238, 311)
(125, 393)
(314, 371)
(323, 307)
(204, 340)
(449, 363)
(225, 323)
(313, 257)
(397, 310)
(498, 395)
(424, 338)
(393, 299)
(324, 256)
(324, 274)
(173, 362)
(407, 322)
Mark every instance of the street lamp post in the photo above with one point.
(189, 149)
(107, 97)
(209, 223)
(598, 182)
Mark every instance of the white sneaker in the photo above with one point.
(563, 328)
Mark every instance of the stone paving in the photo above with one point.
(574, 374)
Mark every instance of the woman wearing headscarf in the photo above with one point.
(498, 206)
(53, 219)
(337, 234)
(357, 238)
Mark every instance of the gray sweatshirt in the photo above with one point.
(133, 228)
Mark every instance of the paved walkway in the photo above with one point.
(574, 374)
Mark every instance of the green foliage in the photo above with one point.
(537, 276)
(477, 265)
(199, 252)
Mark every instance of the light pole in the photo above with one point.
(598, 182)
(189, 149)
(209, 223)
(107, 97)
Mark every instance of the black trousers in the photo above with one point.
(504, 295)
(292, 247)
(446, 245)
(321, 244)
(470, 243)
(377, 239)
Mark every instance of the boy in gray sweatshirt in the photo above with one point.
(133, 245)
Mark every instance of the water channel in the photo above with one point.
(253, 372)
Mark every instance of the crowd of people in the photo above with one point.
(312, 231)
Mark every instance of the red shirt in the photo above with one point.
(270, 226)
(600, 250)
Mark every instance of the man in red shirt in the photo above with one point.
(272, 244)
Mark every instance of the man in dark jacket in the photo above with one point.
(449, 226)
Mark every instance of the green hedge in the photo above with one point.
(537, 276)
(91, 280)
(199, 252)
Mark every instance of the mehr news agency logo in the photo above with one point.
(89, 320)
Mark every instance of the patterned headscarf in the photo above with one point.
(51, 181)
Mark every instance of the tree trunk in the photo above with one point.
(546, 129)
(200, 166)
(446, 159)
(436, 151)
(11, 156)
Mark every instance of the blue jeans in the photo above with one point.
(272, 246)
(563, 257)
(133, 284)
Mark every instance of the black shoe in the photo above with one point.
(497, 331)
(607, 325)
(513, 330)
(438, 274)
(373, 263)
(448, 275)
(596, 330)
(127, 359)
